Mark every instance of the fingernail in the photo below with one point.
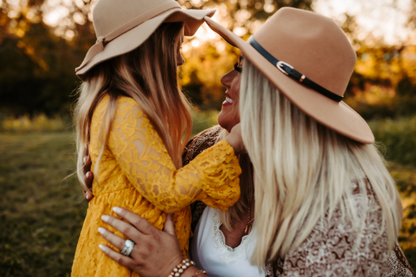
(87, 174)
(102, 247)
(117, 210)
(84, 160)
(105, 218)
(101, 230)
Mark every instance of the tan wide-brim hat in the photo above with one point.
(123, 25)
(308, 58)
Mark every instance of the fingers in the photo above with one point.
(169, 225)
(87, 195)
(88, 182)
(117, 257)
(141, 224)
(87, 164)
(89, 176)
(111, 238)
(125, 228)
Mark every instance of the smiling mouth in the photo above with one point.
(229, 100)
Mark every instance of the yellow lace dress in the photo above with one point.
(137, 173)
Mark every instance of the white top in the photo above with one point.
(209, 251)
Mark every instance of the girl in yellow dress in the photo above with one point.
(134, 120)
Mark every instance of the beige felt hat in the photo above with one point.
(310, 60)
(123, 25)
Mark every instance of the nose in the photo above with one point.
(180, 60)
(227, 78)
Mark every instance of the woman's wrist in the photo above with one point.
(181, 268)
(186, 268)
(194, 272)
(190, 272)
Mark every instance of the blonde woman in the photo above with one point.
(133, 117)
(324, 203)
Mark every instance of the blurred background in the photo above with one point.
(42, 41)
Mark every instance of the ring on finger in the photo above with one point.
(128, 247)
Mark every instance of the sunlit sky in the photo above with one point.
(382, 19)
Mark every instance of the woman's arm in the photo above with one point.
(155, 252)
(211, 177)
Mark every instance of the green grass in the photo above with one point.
(41, 215)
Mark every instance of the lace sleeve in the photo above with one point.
(211, 177)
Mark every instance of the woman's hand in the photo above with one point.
(235, 139)
(89, 177)
(155, 252)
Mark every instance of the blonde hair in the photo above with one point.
(234, 213)
(147, 74)
(303, 170)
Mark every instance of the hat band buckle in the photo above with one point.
(281, 65)
(290, 71)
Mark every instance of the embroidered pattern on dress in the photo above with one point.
(225, 252)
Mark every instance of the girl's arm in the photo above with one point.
(211, 177)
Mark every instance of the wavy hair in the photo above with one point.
(304, 171)
(147, 74)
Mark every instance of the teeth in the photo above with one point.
(229, 100)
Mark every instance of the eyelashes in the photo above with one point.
(237, 68)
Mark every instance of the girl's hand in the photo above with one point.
(89, 177)
(155, 252)
(235, 139)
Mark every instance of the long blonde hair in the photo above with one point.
(147, 74)
(303, 170)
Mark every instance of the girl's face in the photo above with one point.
(179, 58)
(230, 115)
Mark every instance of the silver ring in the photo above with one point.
(128, 247)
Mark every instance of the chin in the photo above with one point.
(222, 121)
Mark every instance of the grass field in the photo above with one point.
(41, 215)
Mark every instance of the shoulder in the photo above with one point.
(127, 109)
(200, 142)
(332, 246)
(120, 102)
(124, 102)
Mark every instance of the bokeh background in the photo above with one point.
(42, 41)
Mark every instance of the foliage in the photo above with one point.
(203, 120)
(37, 123)
(405, 176)
(40, 59)
(398, 137)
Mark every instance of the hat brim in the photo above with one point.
(337, 116)
(132, 39)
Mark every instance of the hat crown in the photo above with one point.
(313, 44)
(109, 15)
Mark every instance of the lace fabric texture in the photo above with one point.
(225, 252)
(327, 250)
(137, 173)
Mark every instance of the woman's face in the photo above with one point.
(229, 115)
